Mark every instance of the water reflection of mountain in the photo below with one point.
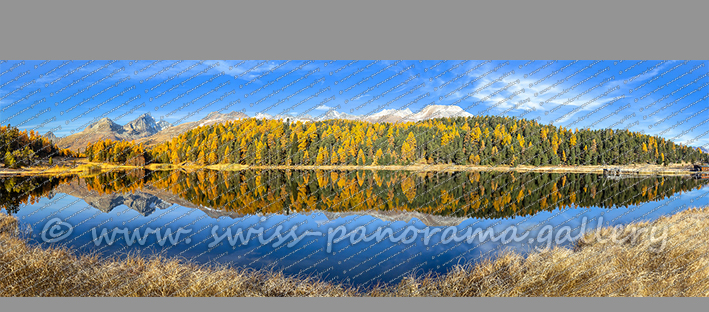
(143, 203)
(393, 216)
(149, 198)
(435, 198)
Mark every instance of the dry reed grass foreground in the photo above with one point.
(642, 266)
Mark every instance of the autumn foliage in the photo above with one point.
(24, 148)
(479, 140)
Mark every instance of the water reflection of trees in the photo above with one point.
(118, 181)
(478, 194)
(17, 191)
(461, 194)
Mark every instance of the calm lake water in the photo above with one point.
(310, 209)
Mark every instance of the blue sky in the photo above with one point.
(666, 98)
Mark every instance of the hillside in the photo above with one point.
(174, 131)
(471, 140)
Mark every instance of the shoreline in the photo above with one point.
(84, 167)
(640, 169)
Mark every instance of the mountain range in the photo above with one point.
(386, 115)
(145, 129)
(141, 127)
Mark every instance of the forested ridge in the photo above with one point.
(477, 140)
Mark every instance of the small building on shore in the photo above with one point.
(701, 176)
(702, 167)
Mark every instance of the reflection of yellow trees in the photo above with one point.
(225, 178)
(341, 183)
(17, 191)
(260, 187)
(377, 179)
(129, 181)
(322, 178)
(201, 176)
(500, 202)
(212, 177)
(520, 196)
(448, 199)
(408, 186)
(481, 194)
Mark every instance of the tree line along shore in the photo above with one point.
(72, 166)
(452, 144)
(475, 141)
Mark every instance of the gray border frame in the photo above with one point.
(364, 29)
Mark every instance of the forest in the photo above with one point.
(478, 140)
(23, 148)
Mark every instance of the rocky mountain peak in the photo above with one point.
(50, 135)
(163, 125)
(103, 124)
(143, 125)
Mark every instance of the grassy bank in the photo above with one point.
(35, 271)
(636, 267)
(642, 266)
(71, 166)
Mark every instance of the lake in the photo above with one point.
(296, 221)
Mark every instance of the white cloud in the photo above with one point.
(322, 107)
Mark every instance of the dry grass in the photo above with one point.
(34, 271)
(639, 265)
(66, 168)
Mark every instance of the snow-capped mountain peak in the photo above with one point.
(385, 115)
